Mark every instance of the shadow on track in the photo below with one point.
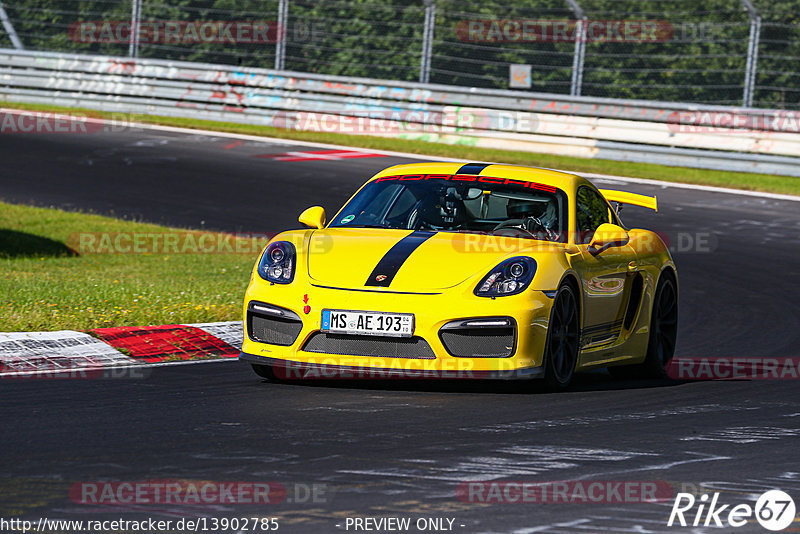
(582, 382)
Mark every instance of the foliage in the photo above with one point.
(703, 59)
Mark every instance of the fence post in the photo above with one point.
(136, 19)
(9, 28)
(750, 68)
(580, 48)
(280, 43)
(427, 42)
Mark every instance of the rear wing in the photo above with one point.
(623, 197)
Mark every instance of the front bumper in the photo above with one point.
(530, 311)
(291, 370)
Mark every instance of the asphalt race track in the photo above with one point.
(401, 449)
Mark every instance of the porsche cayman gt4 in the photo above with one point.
(466, 271)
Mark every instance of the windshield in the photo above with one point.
(447, 204)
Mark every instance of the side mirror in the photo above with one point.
(313, 217)
(607, 236)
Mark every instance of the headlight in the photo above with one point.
(509, 278)
(277, 263)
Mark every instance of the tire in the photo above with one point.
(663, 334)
(265, 371)
(563, 337)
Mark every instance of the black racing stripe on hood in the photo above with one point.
(472, 168)
(391, 262)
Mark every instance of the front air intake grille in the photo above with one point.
(379, 346)
(479, 338)
(272, 325)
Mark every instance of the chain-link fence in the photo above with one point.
(728, 52)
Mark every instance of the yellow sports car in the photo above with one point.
(468, 271)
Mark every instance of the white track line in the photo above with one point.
(146, 365)
(278, 140)
(292, 142)
(713, 189)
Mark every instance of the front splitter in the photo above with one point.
(292, 370)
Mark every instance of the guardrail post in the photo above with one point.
(750, 68)
(580, 48)
(280, 43)
(9, 28)
(136, 19)
(427, 41)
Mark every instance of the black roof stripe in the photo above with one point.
(472, 168)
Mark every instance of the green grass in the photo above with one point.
(47, 286)
(738, 180)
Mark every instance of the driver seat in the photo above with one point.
(519, 209)
(439, 212)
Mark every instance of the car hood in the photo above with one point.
(424, 261)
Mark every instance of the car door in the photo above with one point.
(604, 276)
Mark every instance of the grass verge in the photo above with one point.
(46, 286)
(738, 180)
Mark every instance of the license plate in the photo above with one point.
(368, 323)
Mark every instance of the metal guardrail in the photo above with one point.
(642, 131)
(730, 52)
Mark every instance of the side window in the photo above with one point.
(402, 205)
(376, 205)
(592, 211)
